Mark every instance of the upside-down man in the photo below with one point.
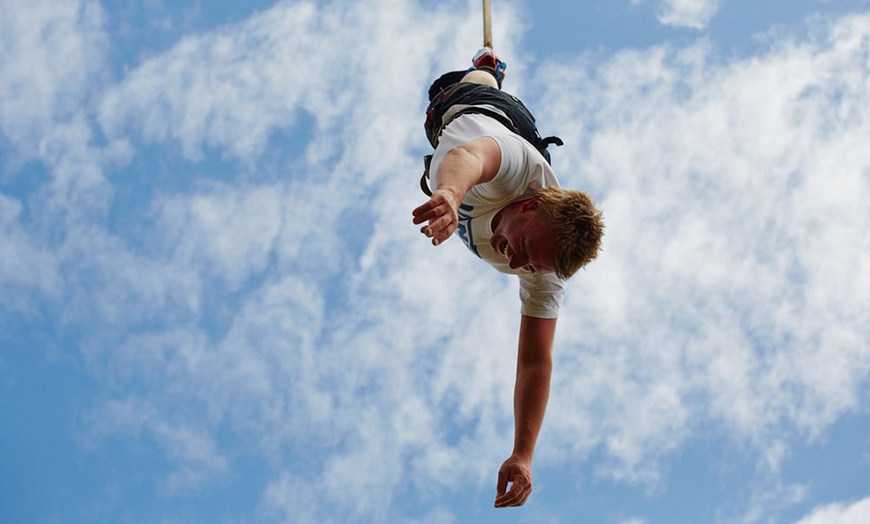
(494, 187)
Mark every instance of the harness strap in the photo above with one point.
(427, 161)
(552, 140)
(476, 110)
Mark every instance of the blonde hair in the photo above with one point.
(578, 225)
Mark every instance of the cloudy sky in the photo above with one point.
(214, 306)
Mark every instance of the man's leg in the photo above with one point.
(479, 76)
(487, 70)
(473, 76)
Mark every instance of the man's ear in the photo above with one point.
(532, 204)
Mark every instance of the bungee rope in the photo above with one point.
(487, 24)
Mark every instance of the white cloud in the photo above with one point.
(694, 14)
(23, 265)
(232, 88)
(50, 53)
(190, 448)
(838, 513)
(228, 89)
(769, 496)
(231, 231)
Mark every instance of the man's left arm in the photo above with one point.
(531, 393)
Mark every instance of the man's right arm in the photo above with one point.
(463, 167)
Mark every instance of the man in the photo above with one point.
(497, 190)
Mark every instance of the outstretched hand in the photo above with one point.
(441, 214)
(518, 472)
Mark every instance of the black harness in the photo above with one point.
(470, 98)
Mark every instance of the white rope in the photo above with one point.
(487, 24)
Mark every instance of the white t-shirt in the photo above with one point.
(522, 170)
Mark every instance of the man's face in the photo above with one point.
(526, 239)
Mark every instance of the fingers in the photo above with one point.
(440, 213)
(438, 205)
(520, 479)
(518, 494)
(439, 229)
(502, 481)
(432, 208)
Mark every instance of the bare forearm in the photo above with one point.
(531, 394)
(532, 390)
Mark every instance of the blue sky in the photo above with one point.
(214, 306)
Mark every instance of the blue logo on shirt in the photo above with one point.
(464, 228)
